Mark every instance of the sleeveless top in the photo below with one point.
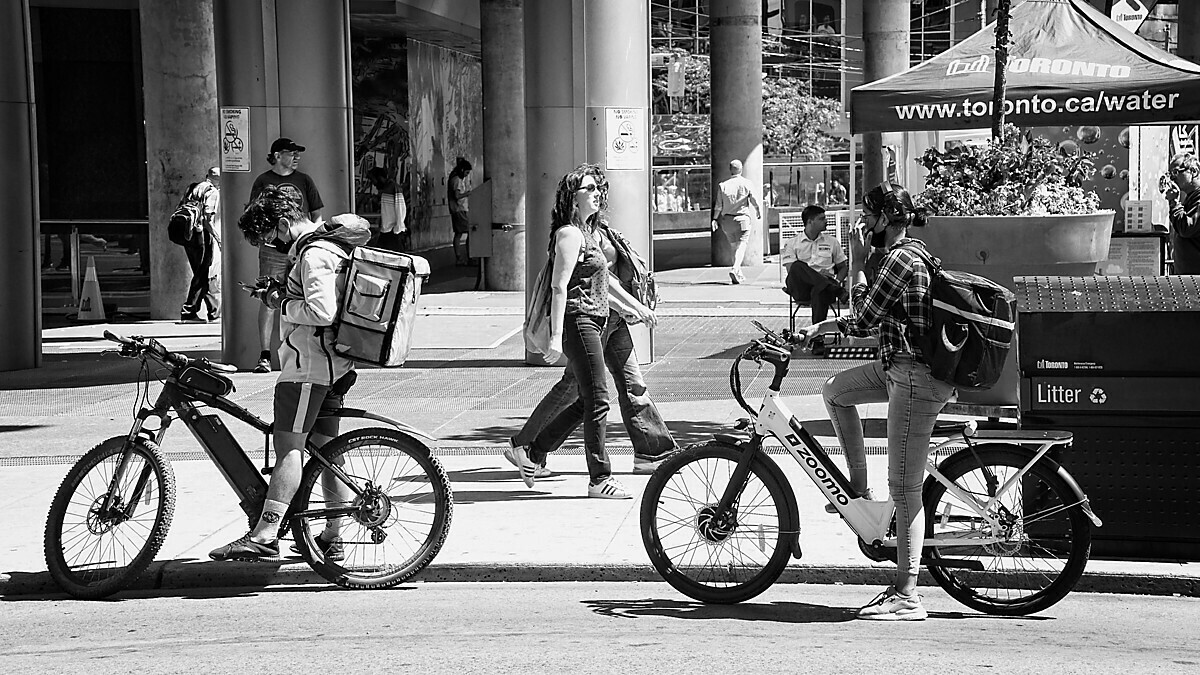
(587, 290)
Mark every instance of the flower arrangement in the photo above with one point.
(1015, 175)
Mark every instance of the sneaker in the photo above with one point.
(540, 472)
(643, 465)
(333, 550)
(245, 549)
(191, 318)
(610, 488)
(891, 606)
(868, 495)
(734, 278)
(519, 457)
(264, 366)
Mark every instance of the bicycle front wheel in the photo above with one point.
(392, 519)
(1041, 547)
(102, 533)
(711, 557)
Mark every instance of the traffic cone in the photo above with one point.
(91, 306)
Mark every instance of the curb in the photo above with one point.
(176, 575)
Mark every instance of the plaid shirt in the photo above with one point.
(902, 278)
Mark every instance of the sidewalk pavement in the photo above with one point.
(466, 384)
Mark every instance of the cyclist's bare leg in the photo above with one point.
(842, 393)
(336, 492)
(285, 479)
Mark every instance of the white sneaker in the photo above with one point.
(891, 606)
(611, 488)
(868, 495)
(519, 457)
(511, 456)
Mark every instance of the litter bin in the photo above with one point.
(1114, 360)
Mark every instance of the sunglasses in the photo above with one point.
(1176, 172)
(591, 187)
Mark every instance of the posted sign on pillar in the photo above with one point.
(625, 139)
(235, 139)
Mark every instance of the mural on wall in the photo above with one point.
(381, 126)
(446, 116)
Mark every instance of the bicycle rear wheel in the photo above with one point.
(706, 556)
(398, 514)
(1046, 537)
(93, 551)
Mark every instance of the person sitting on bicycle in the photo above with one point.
(313, 377)
(914, 397)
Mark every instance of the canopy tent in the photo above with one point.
(1067, 64)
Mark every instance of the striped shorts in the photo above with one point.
(298, 405)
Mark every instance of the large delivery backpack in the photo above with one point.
(186, 220)
(379, 307)
(972, 326)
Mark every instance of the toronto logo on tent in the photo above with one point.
(1040, 65)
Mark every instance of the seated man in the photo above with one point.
(816, 265)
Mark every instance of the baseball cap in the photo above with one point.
(282, 144)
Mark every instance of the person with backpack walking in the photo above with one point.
(300, 188)
(313, 377)
(579, 300)
(901, 378)
(203, 250)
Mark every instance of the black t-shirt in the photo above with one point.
(299, 186)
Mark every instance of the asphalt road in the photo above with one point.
(621, 628)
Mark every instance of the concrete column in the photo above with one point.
(20, 280)
(290, 66)
(1189, 31)
(503, 36)
(179, 85)
(886, 32)
(554, 125)
(616, 49)
(735, 29)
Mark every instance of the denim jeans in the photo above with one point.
(914, 400)
(643, 422)
(583, 345)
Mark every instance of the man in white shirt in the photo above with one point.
(736, 199)
(816, 265)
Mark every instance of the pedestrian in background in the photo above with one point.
(203, 250)
(457, 190)
(392, 208)
(652, 440)
(1183, 197)
(579, 314)
(735, 202)
(272, 257)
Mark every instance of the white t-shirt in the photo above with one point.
(822, 254)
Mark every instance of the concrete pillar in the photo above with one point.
(616, 49)
(735, 29)
(1189, 31)
(503, 36)
(179, 86)
(886, 32)
(20, 278)
(290, 67)
(554, 125)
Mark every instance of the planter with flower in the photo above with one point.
(1014, 207)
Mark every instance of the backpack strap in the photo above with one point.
(935, 270)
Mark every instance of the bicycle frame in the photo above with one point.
(871, 520)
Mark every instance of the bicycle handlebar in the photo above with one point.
(140, 346)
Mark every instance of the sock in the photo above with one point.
(267, 529)
(264, 354)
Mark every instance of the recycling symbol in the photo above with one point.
(1098, 396)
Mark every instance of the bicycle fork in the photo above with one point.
(137, 431)
(725, 515)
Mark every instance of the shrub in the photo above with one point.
(1014, 176)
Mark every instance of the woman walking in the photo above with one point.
(580, 294)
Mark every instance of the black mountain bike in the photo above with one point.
(111, 514)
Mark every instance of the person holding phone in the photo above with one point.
(1181, 186)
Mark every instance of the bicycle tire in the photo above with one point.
(677, 527)
(396, 531)
(1048, 534)
(92, 555)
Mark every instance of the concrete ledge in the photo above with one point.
(184, 574)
